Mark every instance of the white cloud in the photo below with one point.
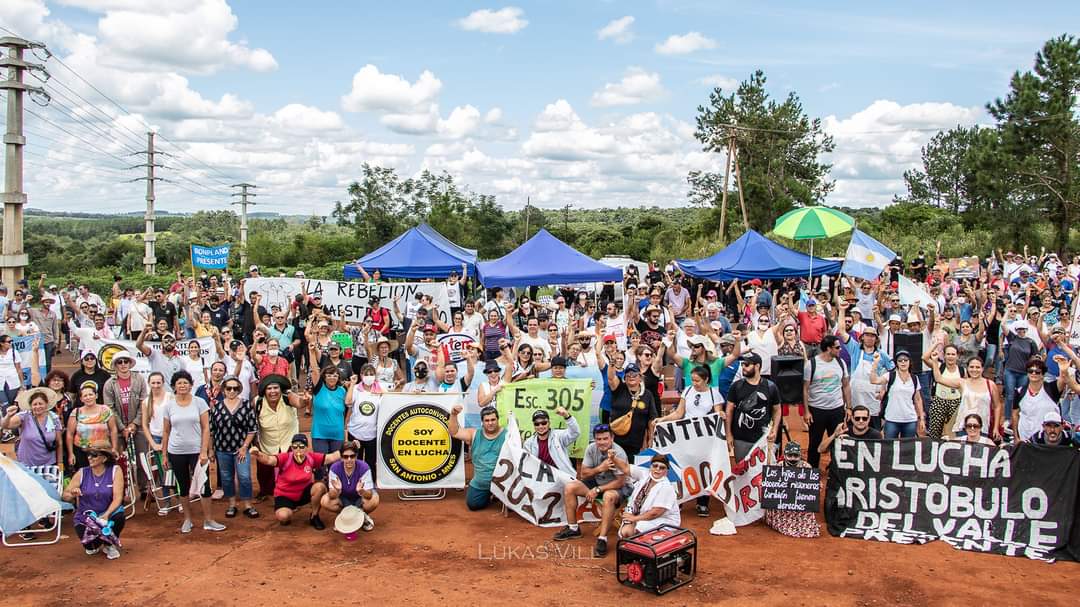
(618, 30)
(719, 81)
(558, 116)
(373, 90)
(874, 146)
(503, 21)
(636, 86)
(686, 43)
(305, 118)
(190, 36)
(493, 116)
(462, 121)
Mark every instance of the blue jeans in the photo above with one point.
(230, 468)
(990, 362)
(900, 430)
(1014, 380)
(925, 379)
(324, 446)
(1070, 409)
(477, 499)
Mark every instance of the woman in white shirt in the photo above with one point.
(653, 502)
(153, 408)
(195, 365)
(362, 404)
(901, 401)
(973, 431)
(24, 325)
(11, 371)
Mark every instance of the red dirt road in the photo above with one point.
(438, 553)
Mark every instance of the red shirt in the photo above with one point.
(280, 366)
(543, 452)
(811, 328)
(293, 478)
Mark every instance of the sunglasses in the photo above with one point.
(973, 426)
(298, 446)
(496, 371)
(233, 389)
(602, 428)
(541, 423)
(123, 361)
(1034, 372)
(348, 456)
(659, 465)
(861, 418)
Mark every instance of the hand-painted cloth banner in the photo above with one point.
(1020, 501)
(349, 300)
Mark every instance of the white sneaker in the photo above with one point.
(217, 495)
(213, 526)
(186, 527)
(112, 552)
(369, 523)
(93, 551)
(163, 512)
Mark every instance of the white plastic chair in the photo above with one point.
(47, 535)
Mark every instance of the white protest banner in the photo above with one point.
(415, 448)
(741, 492)
(697, 451)
(348, 300)
(107, 348)
(532, 488)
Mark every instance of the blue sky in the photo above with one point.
(587, 103)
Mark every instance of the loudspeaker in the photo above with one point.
(787, 374)
(912, 342)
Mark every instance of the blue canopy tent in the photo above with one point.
(544, 260)
(421, 252)
(754, 256)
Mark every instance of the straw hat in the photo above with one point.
(349, 520)
(23, 398)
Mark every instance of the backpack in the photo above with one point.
(889, 385)
(813, 366)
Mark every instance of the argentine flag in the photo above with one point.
(866, 257)
(24, 496)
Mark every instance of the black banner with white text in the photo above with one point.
(1019, 501)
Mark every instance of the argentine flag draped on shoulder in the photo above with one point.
(866, 257)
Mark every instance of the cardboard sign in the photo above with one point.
(791, 488)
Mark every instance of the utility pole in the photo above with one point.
(244, 202)
(566, 221)
(149, 235)
(526, 235)
(13, 259)
(723, 195)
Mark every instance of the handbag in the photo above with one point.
(621, 425)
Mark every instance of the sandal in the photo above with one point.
(231, 512)
(251, 513)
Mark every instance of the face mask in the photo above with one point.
(273, 352)
(421, 372)
(369, 379)
(763, 325)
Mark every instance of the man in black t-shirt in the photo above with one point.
(651, 325)
(162, 308)
(860, 429)
(753, 403)
(219, 312)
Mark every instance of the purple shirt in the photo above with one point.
(32, 450)
(97, 492)
(349, 481)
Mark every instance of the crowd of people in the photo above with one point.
(984, 357)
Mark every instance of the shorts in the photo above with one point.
(346, 501)
(592, 484)
(183, 466)
(280, 501)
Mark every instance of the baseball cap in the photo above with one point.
(792, 448)
(711, 293)
(1052, 417)
(558, 361)
(429, 327)
(609, 338)
(299, 438)
(539, 414)
(811, 302)
(728, 340)
(751, 357)
(895, 318)
(253, 269)
(631, 368)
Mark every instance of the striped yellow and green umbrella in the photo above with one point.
(809, 223)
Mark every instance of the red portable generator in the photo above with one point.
(660, 560)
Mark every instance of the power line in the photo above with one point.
(93, 146)
(136, 136)
(81, 113)
(49, 153)
(97, 129)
